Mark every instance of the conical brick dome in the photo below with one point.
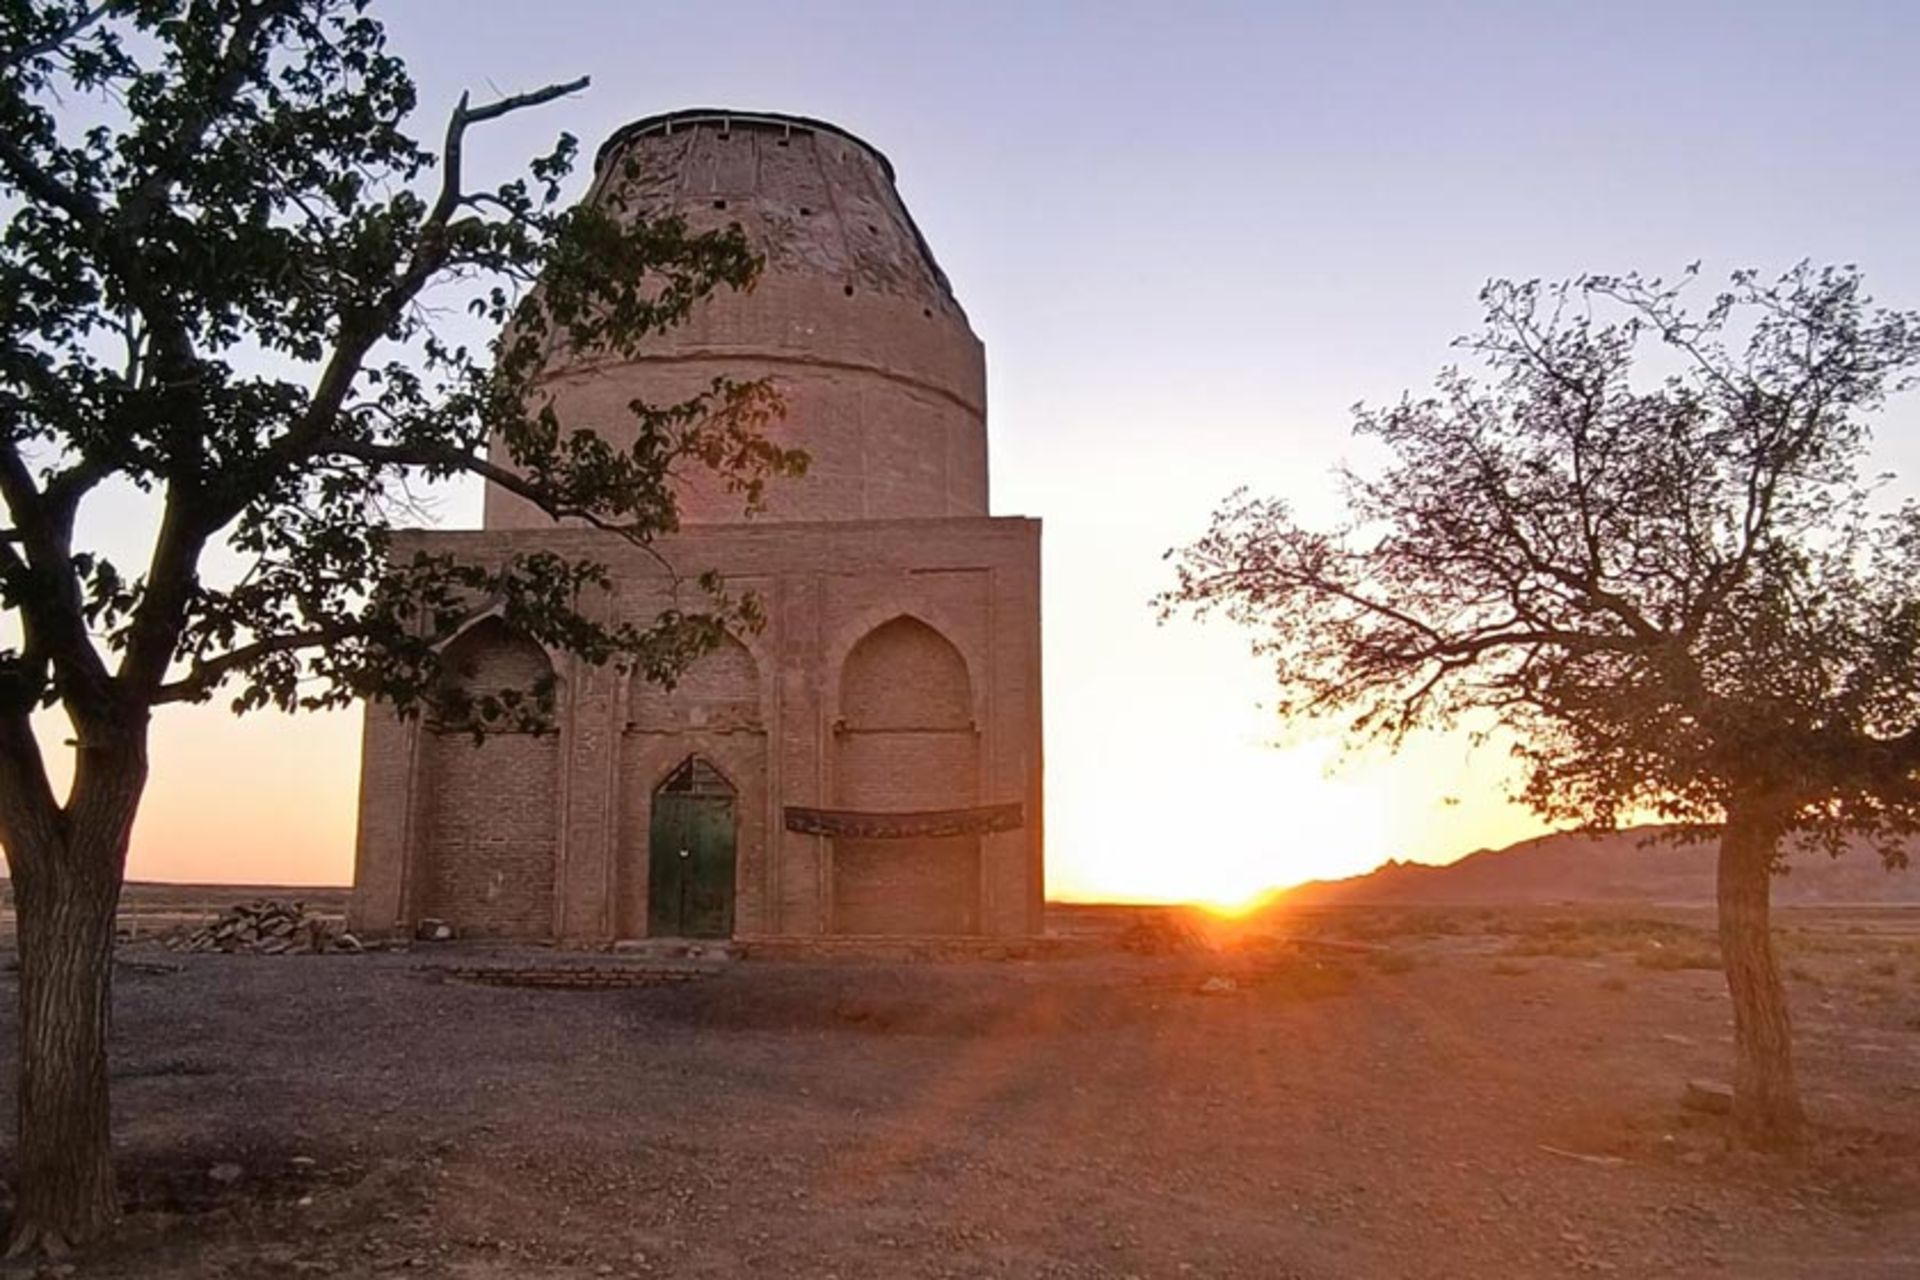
(883, 379)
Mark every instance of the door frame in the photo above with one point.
(693, 789)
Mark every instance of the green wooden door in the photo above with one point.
(690, 866)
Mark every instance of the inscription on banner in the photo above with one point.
(854, 825)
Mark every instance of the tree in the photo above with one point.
(1675, 595)
(222, 261)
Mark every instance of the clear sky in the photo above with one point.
(1192, 236)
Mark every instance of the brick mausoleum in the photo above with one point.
(869, 763)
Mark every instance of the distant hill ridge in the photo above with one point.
(1621, 866)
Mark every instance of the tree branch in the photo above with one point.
(146, 195)
(205, 674)
(47, 189)
(54, 39)
(360, 333)
(30, 817)
(456, 459)
(157, 620)
(463, 116)
(44, 588)
(109, 241)
(67, 486)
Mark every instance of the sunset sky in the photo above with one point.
(1191, 237)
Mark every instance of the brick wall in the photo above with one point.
(491, 807)
(715, 712)
(885, 383)
(941, 714)
(905, 741)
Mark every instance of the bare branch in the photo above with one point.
(519, 101)
(463, 116)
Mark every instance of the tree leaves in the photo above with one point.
(219, 236)
(1672, 592)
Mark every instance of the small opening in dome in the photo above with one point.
(719, 204)
(805, 212)
(927, 312)
(848, 291)
(872, 230)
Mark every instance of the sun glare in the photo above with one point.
(1198, 846)
(1237, 908)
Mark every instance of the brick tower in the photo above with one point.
(867, 764)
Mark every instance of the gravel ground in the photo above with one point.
(1446, 1104)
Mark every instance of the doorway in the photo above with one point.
(690, 854)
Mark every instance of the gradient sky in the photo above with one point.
(1191, 237)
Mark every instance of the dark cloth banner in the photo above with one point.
(854, 825)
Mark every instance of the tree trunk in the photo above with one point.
(66, 885)
(1766, 1101)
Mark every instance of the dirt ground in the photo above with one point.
(1388, 1094)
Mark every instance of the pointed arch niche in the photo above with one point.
(492, 806)
(905, 741)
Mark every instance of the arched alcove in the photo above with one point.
(905, 742)
(491, 811)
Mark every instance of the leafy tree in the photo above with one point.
(220, 263)
(1675, 594)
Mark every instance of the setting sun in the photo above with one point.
(1194, 844)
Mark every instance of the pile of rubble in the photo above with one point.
(268, 928)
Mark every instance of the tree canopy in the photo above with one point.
(1678, 594)
(223, 279)
(1667, 590)
(221, 290)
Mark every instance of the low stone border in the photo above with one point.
(571, 976)
(910, 948)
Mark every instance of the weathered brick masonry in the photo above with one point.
(895, 691)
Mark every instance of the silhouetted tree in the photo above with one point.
(219, 246)
(1676, 593)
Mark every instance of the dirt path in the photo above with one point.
(1471, 1115)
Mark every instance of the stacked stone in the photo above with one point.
(266, 927)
